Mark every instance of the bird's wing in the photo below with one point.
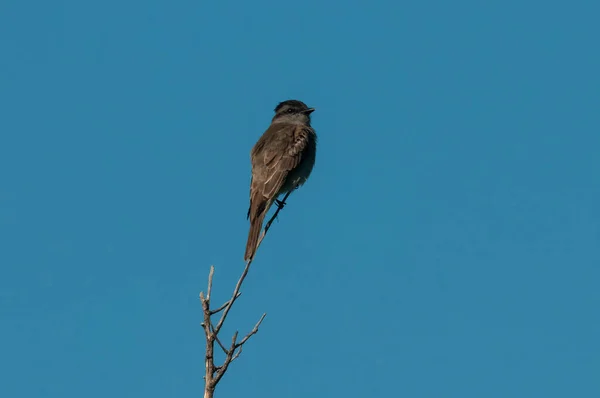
(277, 153)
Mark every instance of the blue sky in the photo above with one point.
(446, 245)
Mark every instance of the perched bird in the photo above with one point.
(282, 159)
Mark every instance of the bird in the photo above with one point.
(282, 160)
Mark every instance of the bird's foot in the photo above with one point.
(280, 204)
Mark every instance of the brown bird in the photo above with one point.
(282, 160)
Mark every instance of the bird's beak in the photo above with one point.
(309, 111)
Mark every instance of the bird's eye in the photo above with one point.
(290, 110)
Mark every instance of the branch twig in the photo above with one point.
(221, 345)
(212, 312)
(268, 225)
(252, 332)
(247, 268)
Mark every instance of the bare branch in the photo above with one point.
(237, 354)
(210, 278)
(223, 306)
(221, 345)
(209, 361)
(235, 294)
(228, 360)
(252, 332)
(268, 225)
(247, 268)
(215, 373)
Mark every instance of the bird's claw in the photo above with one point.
(279, 204)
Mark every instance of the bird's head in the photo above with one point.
(292, 111)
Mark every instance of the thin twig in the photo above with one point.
(221, 345)
(228, 360)
(210, 278)
(247, 268)
(212, 312)
(235, 295)
(268, 224)
(237, 354)
(252, 332)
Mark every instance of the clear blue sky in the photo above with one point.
(446, 245)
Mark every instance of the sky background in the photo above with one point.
(446, 245)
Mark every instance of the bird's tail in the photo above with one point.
(256, 221)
